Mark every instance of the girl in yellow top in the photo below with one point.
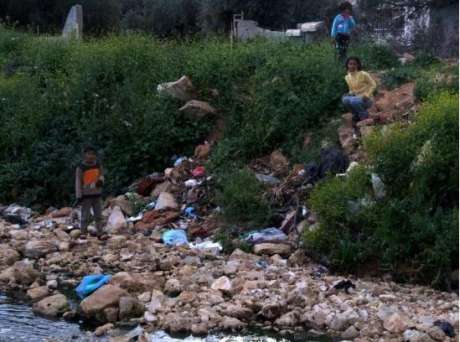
(361, 87)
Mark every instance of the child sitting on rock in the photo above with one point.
(89, 180)
(361, 88)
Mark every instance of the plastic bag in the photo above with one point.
(174, 237)
(91, 283)
(265, 235)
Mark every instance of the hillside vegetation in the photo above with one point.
(57, 96)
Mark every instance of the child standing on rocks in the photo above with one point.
(343, 25)
(89, 180)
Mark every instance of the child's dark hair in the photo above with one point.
(345, 5)
(89, 149)
(356, 59)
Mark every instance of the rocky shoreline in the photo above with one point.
(184, 290)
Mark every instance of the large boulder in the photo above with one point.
(52, 306)
(198, 109)
(39, 248)
(103, 298)
(182, 89)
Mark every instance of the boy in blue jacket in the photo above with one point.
(343, 25)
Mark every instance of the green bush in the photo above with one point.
(436, 79)
(241, 198)
(413, 231)
(374, 56)
(62, 95)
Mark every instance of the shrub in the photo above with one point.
(375, 56)
(435, 80)
(241, 199)
(413, 231)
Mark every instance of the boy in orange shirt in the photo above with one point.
(89, 180)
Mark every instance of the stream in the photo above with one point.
(19, 323)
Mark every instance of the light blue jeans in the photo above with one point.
(358, 106)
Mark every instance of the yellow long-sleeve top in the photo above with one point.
(360, 83)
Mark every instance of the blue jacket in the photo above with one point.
(342, 25)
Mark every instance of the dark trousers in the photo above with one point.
(88, 203)
(342, 42)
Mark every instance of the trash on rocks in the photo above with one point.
(289, 221)
(202, 151)
(319, 271)
(116, 222)
(174, 237)
(16, 214)
(279, 163)
(356, 206)
(136, 218)
(333, 161)
(157, 218)
(166, 200)
(146, 184)
(262, 264)
(179, 161)
(181, 89)
(199, 171)
(267, 179)
(191, 183)
(91, 283)
(378, 186)
(190, 212)
(352, 166)
(446, 327)
(197, 109)
(214, 247)
(344, 284)
(265, 235)
(132, 334)
(63, 212)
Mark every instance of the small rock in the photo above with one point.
(103, 329)
(350, 334)
(52, 284)
(52, 306)
(102, 298)
(231, 323)
(8, 256)
(75, 234)
(39, 248)
(222, 284)
(396, 323)
(37, 293)
(173, 287)
(411, 335)
(272, 249)
(130, 307)
(289, 319)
